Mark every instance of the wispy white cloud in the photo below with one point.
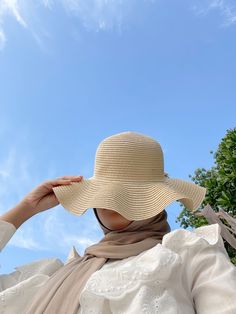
(94, 15)
(100, 14)
(15, 178)
(9, 8)
(26, 238)
(14, 175)
(2, 39)
(57, 231)
(227, 8)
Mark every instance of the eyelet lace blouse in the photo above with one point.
(189, 273)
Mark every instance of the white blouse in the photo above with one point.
(189, 273)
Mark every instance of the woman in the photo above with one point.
(140, 266)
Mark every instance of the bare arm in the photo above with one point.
(18, 214)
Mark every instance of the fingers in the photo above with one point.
(70, 177)
(64, 180)
(58, 182)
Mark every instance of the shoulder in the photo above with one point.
(201, 237)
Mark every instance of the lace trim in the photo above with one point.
(153, 267)
(134, 285)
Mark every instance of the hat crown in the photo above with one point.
(129, 156)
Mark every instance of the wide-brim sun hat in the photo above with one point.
(129, 178)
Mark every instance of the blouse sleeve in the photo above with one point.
(7, 230)
(213, 279)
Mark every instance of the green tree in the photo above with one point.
(220, 182)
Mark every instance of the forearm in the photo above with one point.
(18, 214)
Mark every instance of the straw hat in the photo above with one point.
(129, 178)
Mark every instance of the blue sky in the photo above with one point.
(74, 72)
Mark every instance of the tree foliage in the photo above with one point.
(220, 182)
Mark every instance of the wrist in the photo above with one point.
(25, 207)
(18, 214)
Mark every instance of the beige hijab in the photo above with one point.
(61, 292)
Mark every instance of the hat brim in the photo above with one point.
(133, 200)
